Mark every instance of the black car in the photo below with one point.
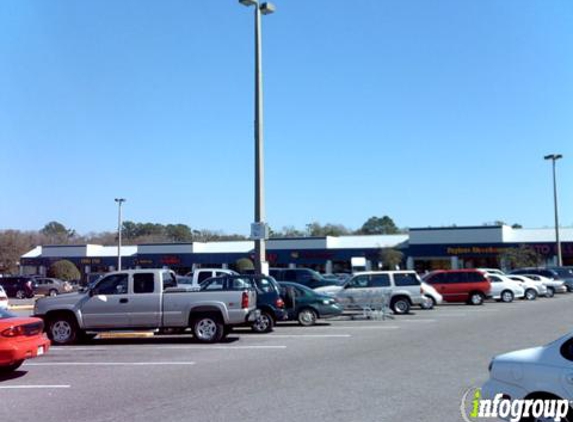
(269, 300)
(20, 287)
(304, 276)
(556, 273)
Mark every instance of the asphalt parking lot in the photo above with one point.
(411, 367)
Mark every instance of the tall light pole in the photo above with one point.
(259, 228)
(553, 158)
(119, 202)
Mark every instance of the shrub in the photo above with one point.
(64, 270)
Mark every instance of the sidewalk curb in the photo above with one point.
(127, 334)
(20, 307)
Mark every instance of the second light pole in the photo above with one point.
(119, 223)
(553, 158)
(259, 230)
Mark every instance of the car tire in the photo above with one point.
(20, 294)
(306, 317)
(506, 296)
(208, 329)
(6, 369)
(400, 305)
(476, 299)
(550, 292)
(63, 330)
(53, 292)
(428, 304)
(264, 323)
(530, 294)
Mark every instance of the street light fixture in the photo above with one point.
(259, 231)
(119, 202)
(553, 158)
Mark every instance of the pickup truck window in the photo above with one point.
(204, 275)
(115, 284)
(169, 280)
(214, 284)
(240, 284)
(143, 283)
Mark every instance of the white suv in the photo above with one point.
(401, 290)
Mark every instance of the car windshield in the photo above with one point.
(6, 314)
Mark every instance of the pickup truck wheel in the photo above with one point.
(62, 330)
(208, 329)
(264, 323)
(6, 369)
(306, 317)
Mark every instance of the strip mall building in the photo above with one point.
(423, 249)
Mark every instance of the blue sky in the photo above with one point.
(432, 112)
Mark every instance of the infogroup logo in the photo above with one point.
(475, 408)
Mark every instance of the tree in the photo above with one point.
(64, 270)
(522, 256)
(316, 229)
(244, 264)
(178, 233)
(14, 244)
(390, 258)
(57, 233)
(377, 225)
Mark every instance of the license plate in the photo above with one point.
(40, 351)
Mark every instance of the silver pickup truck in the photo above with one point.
(145, 299)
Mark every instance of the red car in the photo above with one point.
(470, 286)
(20, 338)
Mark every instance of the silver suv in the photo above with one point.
(400, 289)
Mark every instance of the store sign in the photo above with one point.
(170, 260)
(90, 261)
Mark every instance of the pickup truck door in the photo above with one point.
(144, 305)
(107, 305)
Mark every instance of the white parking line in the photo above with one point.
(307, 335)
(418, 320)
(153, 347)
(220, 347)
(367, 327)
(109, 363)
(30, 387)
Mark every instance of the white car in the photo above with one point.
(530, 286)
(430, 293)
(504, 289)
(558, 286)
(538, 373)
(3, 299)
(488, 271)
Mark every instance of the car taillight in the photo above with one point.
(280, 303)
(13, 332)
(245, 300)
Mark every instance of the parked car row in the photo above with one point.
(22, 287)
